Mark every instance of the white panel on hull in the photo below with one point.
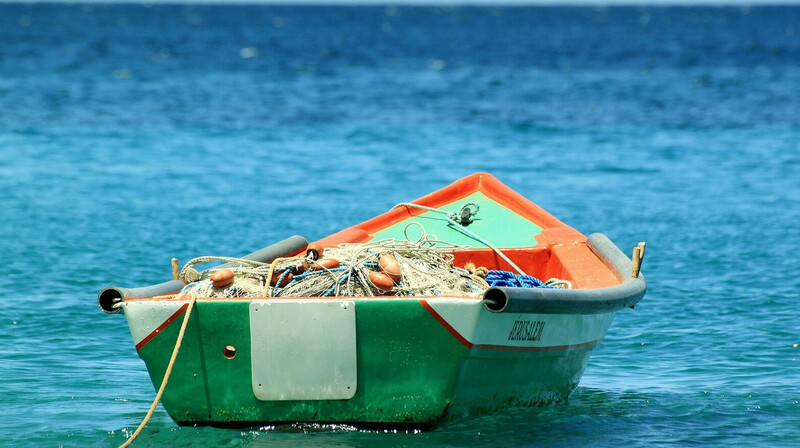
(303, 350)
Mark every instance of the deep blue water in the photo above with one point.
(131, 134)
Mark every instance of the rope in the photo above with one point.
(451, 217)
(166, 375)
(425, 267)
(505, 278)
(464, 214)
(258, 274)
(190, 275)
(268, 289)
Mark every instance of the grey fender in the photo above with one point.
(110, 298)
(575, 301)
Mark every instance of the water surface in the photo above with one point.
(132, 134)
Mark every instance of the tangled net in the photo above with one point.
(425, 265)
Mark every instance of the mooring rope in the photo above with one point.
(464, 215)
(166, 374)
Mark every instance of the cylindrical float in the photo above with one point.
(109, 298)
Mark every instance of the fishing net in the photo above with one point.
(350, 270)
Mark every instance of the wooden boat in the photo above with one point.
(386, 359)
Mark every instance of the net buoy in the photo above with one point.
(222, 278)
(277, 275)
(390, 267)
(325, 263)
(300, 268)
(315, 251)
(381, 281)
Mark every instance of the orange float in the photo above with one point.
(222, 278)
(315, 251)
(381, 281)
(277, 275)
(325, 263)
(390, 267)
(299, 269)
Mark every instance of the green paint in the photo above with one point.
(410, 370)
(494, 380)
(408, 366)
(494, 223)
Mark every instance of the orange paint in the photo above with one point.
(549, 258)
(558, 251)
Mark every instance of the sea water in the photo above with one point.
(131, 134)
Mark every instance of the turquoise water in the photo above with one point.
(133, 134)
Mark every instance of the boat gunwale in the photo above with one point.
(627, 293)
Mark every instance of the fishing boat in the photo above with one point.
(468, 300)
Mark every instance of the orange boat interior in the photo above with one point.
(538, 243)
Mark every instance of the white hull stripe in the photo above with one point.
(501, 347)
(142, 337)
(161, 327)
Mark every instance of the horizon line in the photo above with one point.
(432, 3)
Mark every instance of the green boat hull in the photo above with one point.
(412, 365)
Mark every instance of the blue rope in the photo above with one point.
(505, 278)
(280, 280)
(309, 273)
(330, 290)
